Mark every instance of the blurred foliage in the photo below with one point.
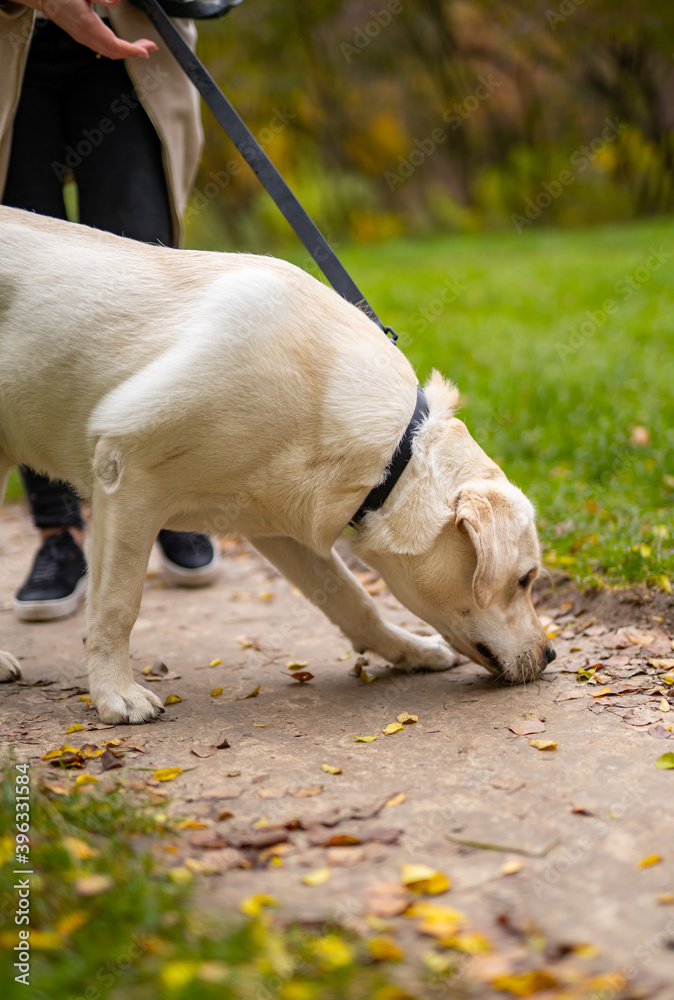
(414, 116)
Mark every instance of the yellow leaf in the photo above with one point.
(190, 824)
(253, 905)
(383, 949)
(393, 727)
(79, 848)
(543, 744)
(600, 692)
(215, 692)
(523, 984)
(261, 823)
(666, 899)
(423, 879)
(332, 951)
(86, 779)
(85, 698)
(368, 678)
(318, 877)
(664, 664)
(90, 754)
(215, 663)
(45, 940)
(260, 725)
(512, 867)
(181, 876)
(59, 752)
(664, 705)
(665, 583)
(651, 859)
(172, 699)
(176, 975)
(167, 773)
(397, 800)
(297, 664)
(115, 743)
(364, 739)
(344, 656)
(253, 694)
(329, 769)
(407, 719)
(71, 922)
(75, 728)
(470, 942)
(266, 595)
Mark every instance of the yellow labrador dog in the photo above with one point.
(227, 392)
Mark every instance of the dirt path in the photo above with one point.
(583, 815)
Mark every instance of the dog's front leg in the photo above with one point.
(336, 591)
(124, 529)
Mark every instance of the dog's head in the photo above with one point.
(457, 544)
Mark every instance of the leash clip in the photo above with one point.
(391, 334)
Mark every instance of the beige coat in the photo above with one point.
(169, 98)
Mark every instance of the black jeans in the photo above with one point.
(80, 114)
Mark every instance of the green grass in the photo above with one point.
(500, 314)
(556, 411)
(140, 937)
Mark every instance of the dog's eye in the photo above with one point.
(526, 580)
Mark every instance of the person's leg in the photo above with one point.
(55, 584)
(122, 189)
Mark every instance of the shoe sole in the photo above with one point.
(201, 576)
(46, 611)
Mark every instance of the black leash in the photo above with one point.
(247, 144)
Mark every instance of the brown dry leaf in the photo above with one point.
(201, 751)
(570, 695)
(221, 792)
(225, 814)
(224, 745)
(209, 840)
(659, 731)
(109, 760)
(543, 744)
(393, 727)
(508, 783)
(641, 716)
(387, 899)
(253, 694)
(272, 792)
(305, 793)
(303, 676)
(527, 728)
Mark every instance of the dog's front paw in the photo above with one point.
(133, 705)
(9, 667)
(429, 654)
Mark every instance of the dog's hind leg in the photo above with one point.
(125, 523)
(336, 591)
(9, 665)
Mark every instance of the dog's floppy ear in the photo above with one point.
(477, 515)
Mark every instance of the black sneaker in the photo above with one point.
(56, 584)
(188, 559)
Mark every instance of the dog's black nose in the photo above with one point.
(550, 654)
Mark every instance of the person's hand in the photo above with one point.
(85, 26)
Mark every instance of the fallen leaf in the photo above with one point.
(666, 899)
(662, 664)
(601, 692)
(364, 739)
(157, 669)
(272, 792)
(204, 751)
(215, 663)
(641, 716)
(109, 760)
(570, 695)
(651, 859)
(469, 942)
(79, 848)
(91, 885)
(397, 800)
(302, 676)
(253, 694)
(329, 769)
(191, 824)
(393, 727)
(318, 877)
(172, 699)
(512, 867)
(368, 678)
(384, 949)
(86, 779)
(259, 725)
(297, 664)
(54, 754)
(167, 773)
(224, 745)
(659, 731)
(387, 899)
(664, 705)
(247, 641)
(74, 728)
(423, 879)
(216, 692)
(527, 728)
(406, 719)
(305, 793)
(266, 595)
(666, 761)
(524, 984)
(543, 744)
(208, 840)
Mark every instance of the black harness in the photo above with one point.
(159, 12)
